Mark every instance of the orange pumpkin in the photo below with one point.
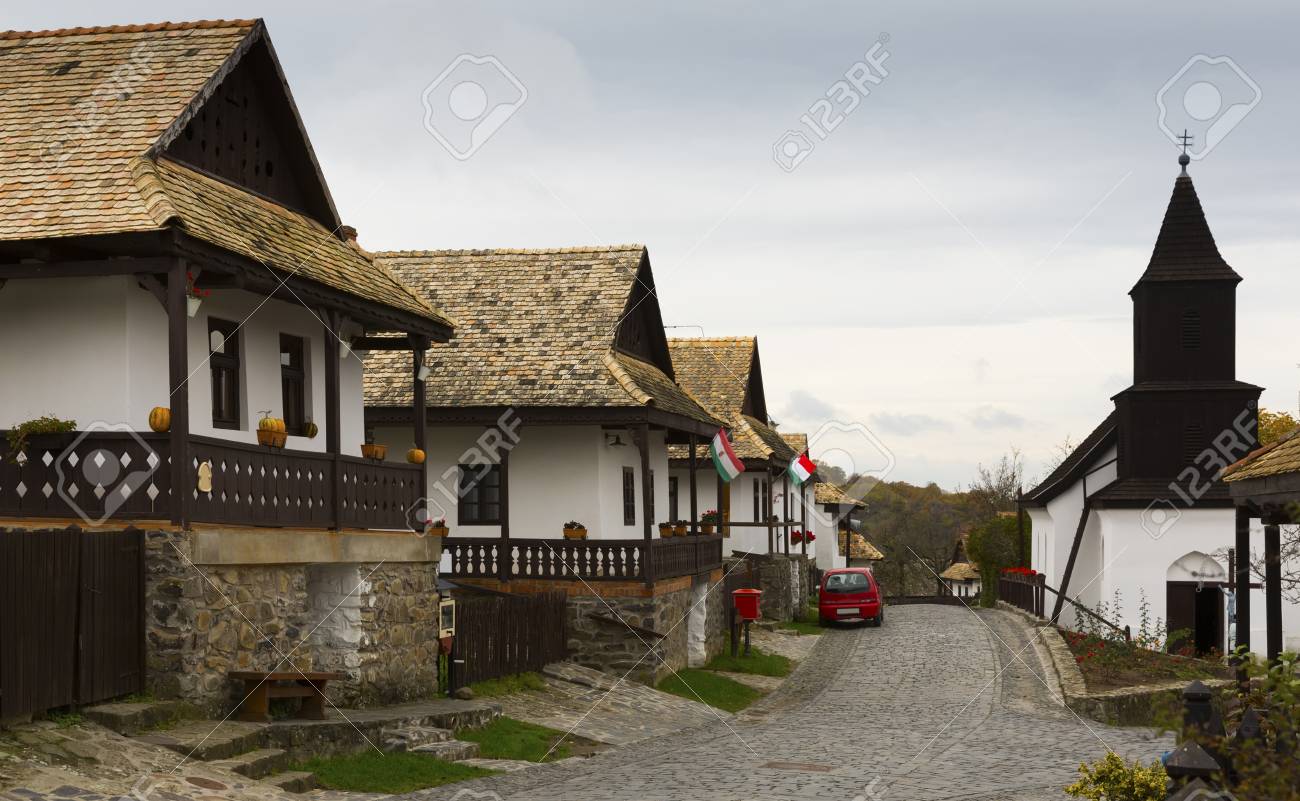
(415, 456)
(160, 419)
(266, 424)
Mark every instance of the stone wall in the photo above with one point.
(202, 620)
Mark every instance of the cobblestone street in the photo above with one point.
(919, 709)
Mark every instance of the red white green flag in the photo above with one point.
(724, 458)
(801, 468)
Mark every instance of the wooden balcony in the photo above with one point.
(97, 476)
(586, 560)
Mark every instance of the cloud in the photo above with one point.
(906, 425)
(987, 417)
(804, 406)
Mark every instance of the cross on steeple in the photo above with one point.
(1183, 159)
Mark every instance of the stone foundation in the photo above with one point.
(203, 619)
(786, 582)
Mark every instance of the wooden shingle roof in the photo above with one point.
(86, 111)
(859, 548)
(534, 327)
(961, 571)
(825, 492)
(798, 442)
(1185, 249)
(1275, 459)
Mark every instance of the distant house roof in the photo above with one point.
(961, 571)
(828, 493)
(859, 548)
(1275, 459)
(88, 114)
(1075, 464)
(535, 328)
(724, 375)
(1185, 249)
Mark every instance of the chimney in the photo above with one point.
(349, 233)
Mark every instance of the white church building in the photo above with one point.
(1138, 508)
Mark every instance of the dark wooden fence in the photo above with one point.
(589, 560)
(1023, 592)
(71, 618)
(499, 634)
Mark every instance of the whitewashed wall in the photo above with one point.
(824, 525)
(96, 350)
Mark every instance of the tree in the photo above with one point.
(1060, 453)
(830, 473)
(995, 490)
(1274, 425)
(993, 545)
(916, 528)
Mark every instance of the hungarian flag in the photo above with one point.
(724, 458)
(801, 468)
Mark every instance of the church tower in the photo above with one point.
(1184, 393)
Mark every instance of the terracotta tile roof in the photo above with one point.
(243, 223)
(77, 105)
(961, 571)
(535, 327)
(859, 548)
(1185, 248)
(82, 110)
(825, 492)
(1274, 459)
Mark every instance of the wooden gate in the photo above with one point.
(71, 618)
(500, 634)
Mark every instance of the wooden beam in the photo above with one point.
(380, 343)
(766, 508)
(418, 406)
(1242, 580)
(1074, 554)
(90, 268)
(503, 555)
(154, 286)
(179, 399)
(785, 507)
(695, 515)
(643, 434)
(803, 516)
(333, 415)
(1273, 589)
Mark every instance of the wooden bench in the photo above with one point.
(261, 686)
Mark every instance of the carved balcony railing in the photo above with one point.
(102, 475)
(587, 560)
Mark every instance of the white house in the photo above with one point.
(1137, 508)
(175, 270)
(724, 374)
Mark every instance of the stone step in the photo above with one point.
(207, 740)
(408, 738)
(452, 750)
(139, 716)
(256, 764)
(294, 781)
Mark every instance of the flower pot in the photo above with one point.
(266, 437)
(575, 533)
(192, 305)
(679, 531)
(280, 439)
(665, 531)
(438, 531)
(372, 451)
(706, 528)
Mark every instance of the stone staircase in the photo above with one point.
(266, 751)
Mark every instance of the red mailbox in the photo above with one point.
(746, 602)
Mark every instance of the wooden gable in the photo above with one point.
(755, 404)
(641, 325)
(245, 129)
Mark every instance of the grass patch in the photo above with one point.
(370, 772)
(757, 663)
(65, 720)
(803, 626)
(717, 691)
(506, 685)
(507, 738)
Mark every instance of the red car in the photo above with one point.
(850, 594)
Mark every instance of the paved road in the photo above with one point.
(932, 706)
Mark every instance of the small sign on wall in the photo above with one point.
(446, 618)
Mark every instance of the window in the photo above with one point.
(223, 345)
(1193, 442)
(480, 495)
(760, 500)
(1191, 330)
(672, 499)
(293, 384)
(629, 497)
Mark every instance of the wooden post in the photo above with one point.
(1273, 589)
(178, 378)
(766, 507)
(333, 416)
(695, 516)
(723, 517)
(646, 500)
(503, 554)
(1243, 584)
(785, 508)
(803, 515)
(419, 413)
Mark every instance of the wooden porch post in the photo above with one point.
(178, 378)
(785, 508)
(723, 517)
(694, 507)
(1273, 588)
(1242, 580)
(646, 500)
(333, 416)
(503, 554)
(766, 506)
(419, 414)
(803, 515)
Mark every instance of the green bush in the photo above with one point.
(1112, 779)
(993, 545)
(48, 424)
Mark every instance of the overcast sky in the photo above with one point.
(947, 268)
